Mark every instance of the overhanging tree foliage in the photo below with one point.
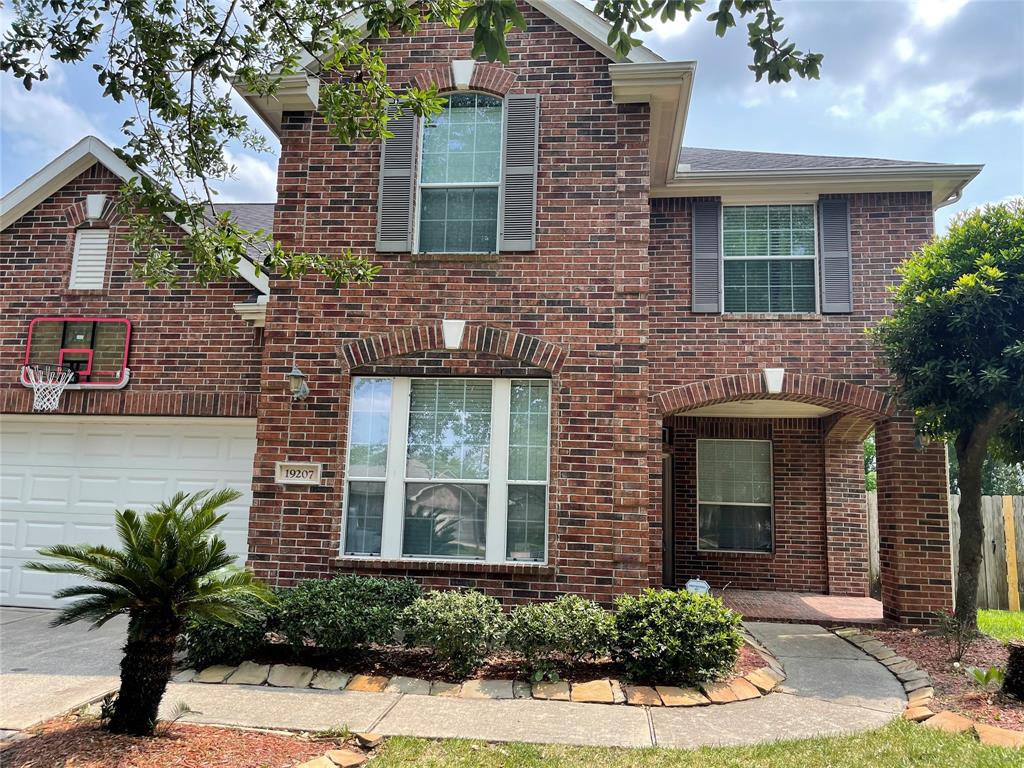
(955, 342)
(176, 61)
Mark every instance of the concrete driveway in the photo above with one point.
(46, 670)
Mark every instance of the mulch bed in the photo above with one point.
(71, 741)
(388, 661)
(953, 689)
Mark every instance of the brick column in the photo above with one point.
(913, 525)
(846, 519)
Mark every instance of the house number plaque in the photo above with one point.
(297, 473)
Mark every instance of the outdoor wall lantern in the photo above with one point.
(297, 383)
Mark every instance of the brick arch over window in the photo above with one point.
(488, 78)
(856, 403)
(512, 345)
(76, 215)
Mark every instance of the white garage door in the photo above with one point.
(62, 477)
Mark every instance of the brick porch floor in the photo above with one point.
(802, 607)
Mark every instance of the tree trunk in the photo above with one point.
(971, 533)
(1013, 682)
(145, 671)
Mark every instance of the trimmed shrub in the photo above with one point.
(346, 613)
(675, 637)
(571, 626)
(459, 627)
(213, 641)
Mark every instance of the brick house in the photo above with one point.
(593, 360)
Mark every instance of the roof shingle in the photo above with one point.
(702, 159)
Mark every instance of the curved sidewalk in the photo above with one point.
(831, 688)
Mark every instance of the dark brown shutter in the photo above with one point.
(836, 268)
(396, 199)
(705, 276)
(519, 173)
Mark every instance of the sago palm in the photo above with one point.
(170, 567)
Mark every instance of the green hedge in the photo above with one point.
(212, 641)
(344, 614)
(461, 628)
(570, 626)
(675, 637)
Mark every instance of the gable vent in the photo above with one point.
(89, 264)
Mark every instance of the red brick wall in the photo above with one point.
(583, 290)
(799, 560)
(190, 353)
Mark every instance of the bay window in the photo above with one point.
(448, 469)
(734, 495)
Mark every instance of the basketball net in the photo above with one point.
(48, 383)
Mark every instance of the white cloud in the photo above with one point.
(934, 13)
(670, 29)
(41, 122)
(253, 180)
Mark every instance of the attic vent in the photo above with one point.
(89, 265)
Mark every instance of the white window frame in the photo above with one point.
(815, 257)
(499, 184)
(395, 477)
(771, 505)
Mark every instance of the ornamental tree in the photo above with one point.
(955, 342)
(177, 61)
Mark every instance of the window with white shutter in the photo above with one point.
(89, 264)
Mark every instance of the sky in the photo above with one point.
(933, 80)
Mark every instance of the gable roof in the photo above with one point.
(68, 166)
(737, 176)
(300, 92)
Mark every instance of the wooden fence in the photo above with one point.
(1000, 515)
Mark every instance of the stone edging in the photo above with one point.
(920, 692)
(753, 685)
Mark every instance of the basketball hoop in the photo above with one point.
(48, 383)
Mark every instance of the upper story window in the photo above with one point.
(769, 258)
(89, 262)
(460, 176)
(448, 469)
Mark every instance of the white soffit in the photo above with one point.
(760, 409)
(75, 161)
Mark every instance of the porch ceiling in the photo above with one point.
(760, 409)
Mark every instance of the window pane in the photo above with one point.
(364, 518)
(459, 220)
(528, 431)
(445, 520)
(736, 471)
(731, 527)
(527, 517)
(369, 427)
(769, 285)
(463, 143)
(449, 429)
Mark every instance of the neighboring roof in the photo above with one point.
(68, 166)
(702, 159)
(250, 216)
(741, 176)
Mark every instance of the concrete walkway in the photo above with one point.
(46, 670)
(832, 688)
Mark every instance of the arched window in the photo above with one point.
(460, 176)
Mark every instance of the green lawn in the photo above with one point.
(899, 745)
(1002, 625)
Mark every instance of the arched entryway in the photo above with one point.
(767, 491)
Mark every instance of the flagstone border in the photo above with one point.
(919, 690)
(753, 685)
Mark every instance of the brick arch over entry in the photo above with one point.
(853, 400)
(512, 345)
